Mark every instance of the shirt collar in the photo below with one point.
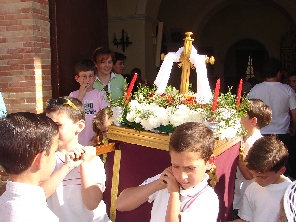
(190, 192)
(112, 75)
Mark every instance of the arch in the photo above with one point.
(223, 52)
(217, 5)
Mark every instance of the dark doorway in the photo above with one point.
(77, 29)
(237, 57)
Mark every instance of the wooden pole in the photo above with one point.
(185, 63)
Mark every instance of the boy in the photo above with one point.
(180, 192)
(118, 63)
(27, 153)
(92, 99)
(266, 161)
(74, 195)
(257, 117)
(292, 80)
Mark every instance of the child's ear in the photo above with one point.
(80, 125)
(282, 170)
(38, 160)
(210, 162)
(76, 78)
(254, 121)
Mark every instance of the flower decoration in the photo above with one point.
(148, 110)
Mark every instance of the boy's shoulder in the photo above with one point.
(254, 187)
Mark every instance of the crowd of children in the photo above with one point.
(54, 171)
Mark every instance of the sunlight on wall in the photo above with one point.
(38, 83)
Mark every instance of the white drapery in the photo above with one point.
(203, 94)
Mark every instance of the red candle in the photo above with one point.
(216, 95)
(130, 87)
(239, 93)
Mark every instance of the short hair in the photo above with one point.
(292, 74)
(261, 111)
(193, 137)
(102, 53)
(74, 114)
(85, 65)
(267, 154)
(271, 67)
(136, 70)
(118, 56)
(23, 136)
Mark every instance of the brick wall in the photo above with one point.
(25, 56)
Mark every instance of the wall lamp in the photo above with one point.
(124, 40)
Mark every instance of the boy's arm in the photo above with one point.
(133, 197)
(173, 208)
(174, 204)
(57, 177)
(244, 170)
(82, 91)
(91, 193)
(293, 127)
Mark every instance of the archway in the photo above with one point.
(237, 57)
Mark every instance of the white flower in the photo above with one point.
(197, 116)
(179, 115)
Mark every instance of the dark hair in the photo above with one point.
(85, 65)
(102, 53)
(193, 137)
(136, 70)
(118, 56)
(74, 114)
(267, 154)
(292, 74)
(261, 111)
(23, 136)
(271, 67)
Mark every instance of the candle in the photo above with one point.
(216, 94)
(239, 93)
(130, 87)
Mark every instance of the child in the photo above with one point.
(118, 63)
(92, 99)
(292, 80)
(257, 117)
(27, 153)
(180, 191)
(101, 123)
(106, 80)
(266, 161)
(75, 195)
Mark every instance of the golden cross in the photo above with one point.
(185, 63)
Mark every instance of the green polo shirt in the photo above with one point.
(116, 86)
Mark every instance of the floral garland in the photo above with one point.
(148, 110)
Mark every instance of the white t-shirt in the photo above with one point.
(281, 99)
(199, 203)
(262, 204)
(93, 102)
(240, 182)
(66, 202)
(24, 203)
